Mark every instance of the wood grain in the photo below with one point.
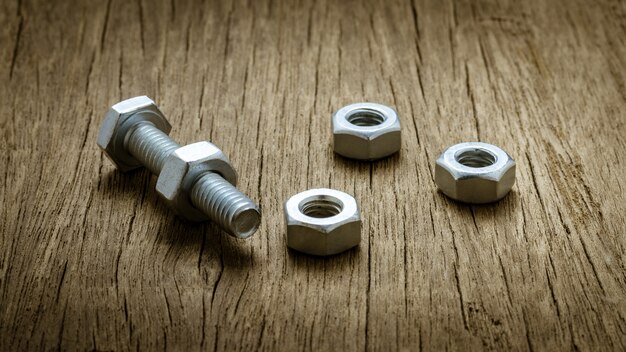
(90, 259)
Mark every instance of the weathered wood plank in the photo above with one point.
(91, 259)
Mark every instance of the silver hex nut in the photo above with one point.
(366, 131)
(475, 172)
(322, 222)
(119, 120)
(183, 168)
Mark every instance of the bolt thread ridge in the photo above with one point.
(226, 205)
(150, 146)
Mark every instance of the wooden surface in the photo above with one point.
(90, 259)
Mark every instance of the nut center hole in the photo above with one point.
(365, 118)
(476, 158)
(321, 206)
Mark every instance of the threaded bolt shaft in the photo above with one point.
(225, 205)
(212, 194)
(150, 146)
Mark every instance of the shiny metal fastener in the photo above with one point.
(322, 222)
(196, 180)
(366, 131)
(475, 172)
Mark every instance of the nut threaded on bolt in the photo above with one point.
(212, 194)
(226, 205)
(150, 146)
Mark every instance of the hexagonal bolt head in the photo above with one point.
(475, 172)
(120, 119)
(366, 131)
(322, 222)
(183, 168)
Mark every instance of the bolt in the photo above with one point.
(135, 133)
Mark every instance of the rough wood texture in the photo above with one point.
(91, 259)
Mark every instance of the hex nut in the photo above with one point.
(183, 168)
(119, 120)
(366, 131)
(475, 172)
(322, 222)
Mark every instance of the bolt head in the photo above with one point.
(119, 120)
(183, 168)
